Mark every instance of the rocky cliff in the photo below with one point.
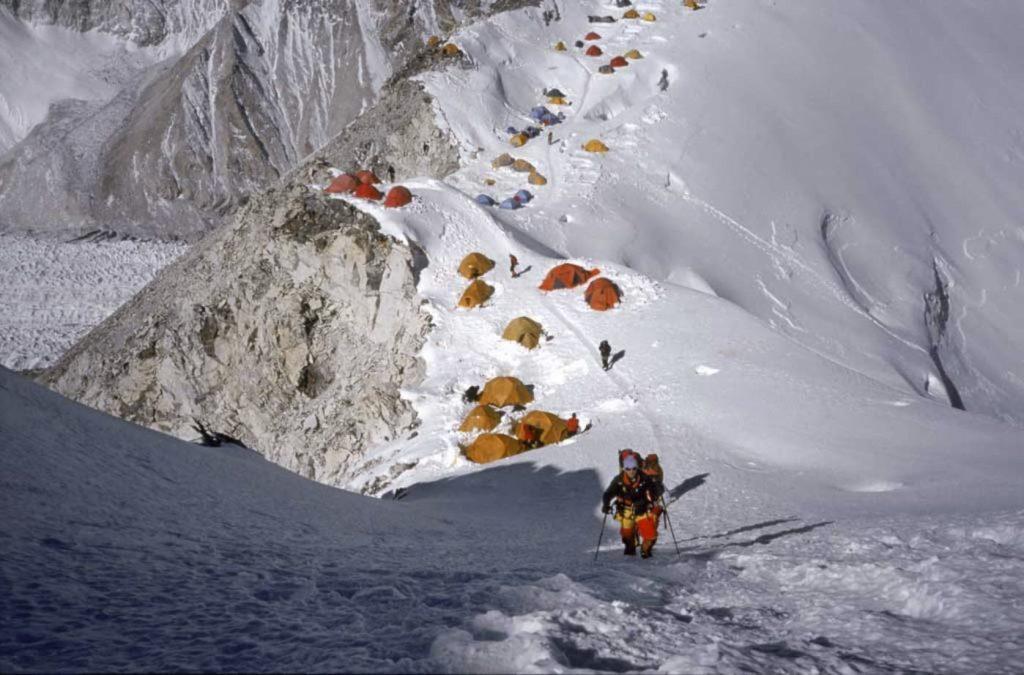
(292, 328)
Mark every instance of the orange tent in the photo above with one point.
(367, 191)
(602, 294)
(368, 177)
(593, 50)
(481, 418)
(398, 196)
(346, 182)
(619, 62)
(552, 427)
(501, 392)
(476, 294)
(567, 275)
(492, 447)
(591, 36)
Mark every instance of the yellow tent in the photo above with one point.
(433, 41)
(519, 140)
(475, 265)
(505, 391)
(552, 427)
(594, 145)
(522, 166)
(537, 179)
(492, 447)
(523, 330)
(504, 159)
(633, 54)
(476, 294)
(691, 4)
(649, 16)
(481, 418)
(560, 46)
(631, 14)
(557, 100)
(450, 50)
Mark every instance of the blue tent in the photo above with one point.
(484, 200)
(510, 203)
(523, 196)
(538, 112)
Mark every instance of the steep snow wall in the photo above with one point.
(292, 328)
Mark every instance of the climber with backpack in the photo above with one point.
(634, 496)
(652, 470)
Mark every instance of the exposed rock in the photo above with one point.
(292, 328)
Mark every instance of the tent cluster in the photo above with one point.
(363, 184)
(602, 294)
(514, 202)
(535, 429)
(472, 267)
(505, 160)
(447, 49)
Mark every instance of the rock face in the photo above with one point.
(242, 101)
(292, 328)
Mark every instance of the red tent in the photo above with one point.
(619, 62)
(593, 50)
(602, 294)
(398, 196)
(591, 36)
(346, 182)
(367, 177)
(367, 191)
(567, 275)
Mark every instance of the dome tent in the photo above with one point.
(553, 428)
(602, 294)
(367, 177)
(523, 330)
(367, 191)
(594, 145)
(505, 391)
(481, 418)
(397, 197)
(476, 294)
(475, 265)
(492, 447)
(345, 182)
(567, 275)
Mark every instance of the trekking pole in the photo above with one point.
(670, 528)
(600, 536)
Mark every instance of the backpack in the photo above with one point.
(652, 468)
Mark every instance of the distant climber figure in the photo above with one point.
(634, 501)
(663, 82)
(606, 352)
(551, 138)
(513, 263)
(391, 174)
(573, 425)
(471, 395)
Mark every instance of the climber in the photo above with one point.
(573, 425)
(471, 395)
(513, 263)
(634, 501)
(606, 351)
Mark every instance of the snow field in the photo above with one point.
(52, 292)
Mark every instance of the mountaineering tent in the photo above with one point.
(504, 159)
(631, 14)
(492, 447)
(649, 16)
(368, 177)
(560, 46)
(593, 50)
(567, 275)
(510, 204)
(691, 4)
(484, 200)
(481, 418)
(591, 36)
(505, 391)
(476, 294)
(450, 50)
(554, 92)
(523, 166)
(523, 196)
(633, 54)
(594, 145)
(475, 265)
(398, 196)
(346, 182)
(602, 294)
(367, 191)
(523, 330)
(553, 428)
(606, 70)
(619, 62)
(519, 140)
(537, 179)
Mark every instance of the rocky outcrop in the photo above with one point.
(292, 328)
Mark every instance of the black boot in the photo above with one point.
(630, 548)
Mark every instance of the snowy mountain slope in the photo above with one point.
(125, 549)
(846, 172)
